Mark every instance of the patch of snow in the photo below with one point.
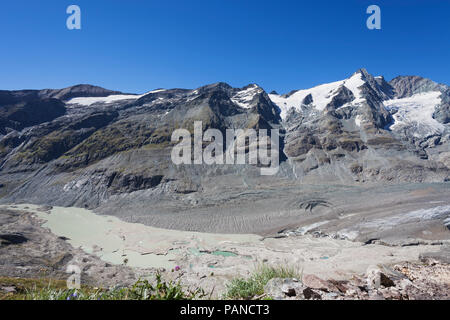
(358, 119)
(416, 111)
(388, 223)
(155, 91)
(447, 222)
(322, 94)
(76, 184)
(305, 229)
(347, 234)
(87, 101)
(244, 97)
(353, 84)
(440, 212)
(192, 95)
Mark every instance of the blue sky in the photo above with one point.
(136, 46)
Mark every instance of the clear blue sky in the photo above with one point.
(136, 46)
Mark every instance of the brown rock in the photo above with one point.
(315, 282)
(385, 281)
(340, 285)
(310, 294)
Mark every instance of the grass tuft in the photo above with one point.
(141, 290)
(241, 288)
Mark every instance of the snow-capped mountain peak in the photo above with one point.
(244, 96)
(320, 96)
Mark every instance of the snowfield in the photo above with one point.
(413, 113)
(87, 101)
(322, 94)
(416, 111)
(244, 97)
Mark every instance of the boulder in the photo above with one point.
(310, 294)
(315, 282)
(279, 289)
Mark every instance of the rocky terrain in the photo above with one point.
(27, 250)
(362, 160)
(428, 280)
(30, 247)
(90, 147)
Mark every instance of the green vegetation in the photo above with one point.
(241, 288)
(115, 138)
(24, 285)
(48, 147)
(38, 289)
(238, 288)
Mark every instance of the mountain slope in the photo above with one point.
(90, 147)
(357, 129)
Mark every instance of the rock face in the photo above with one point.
(365, 129)
(91, 147)
(116, 145)
(408, 86)
(27, 114)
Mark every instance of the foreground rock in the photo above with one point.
(429, 280)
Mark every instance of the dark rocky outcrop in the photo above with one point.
(20, 115)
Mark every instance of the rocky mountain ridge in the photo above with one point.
(91, 147)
